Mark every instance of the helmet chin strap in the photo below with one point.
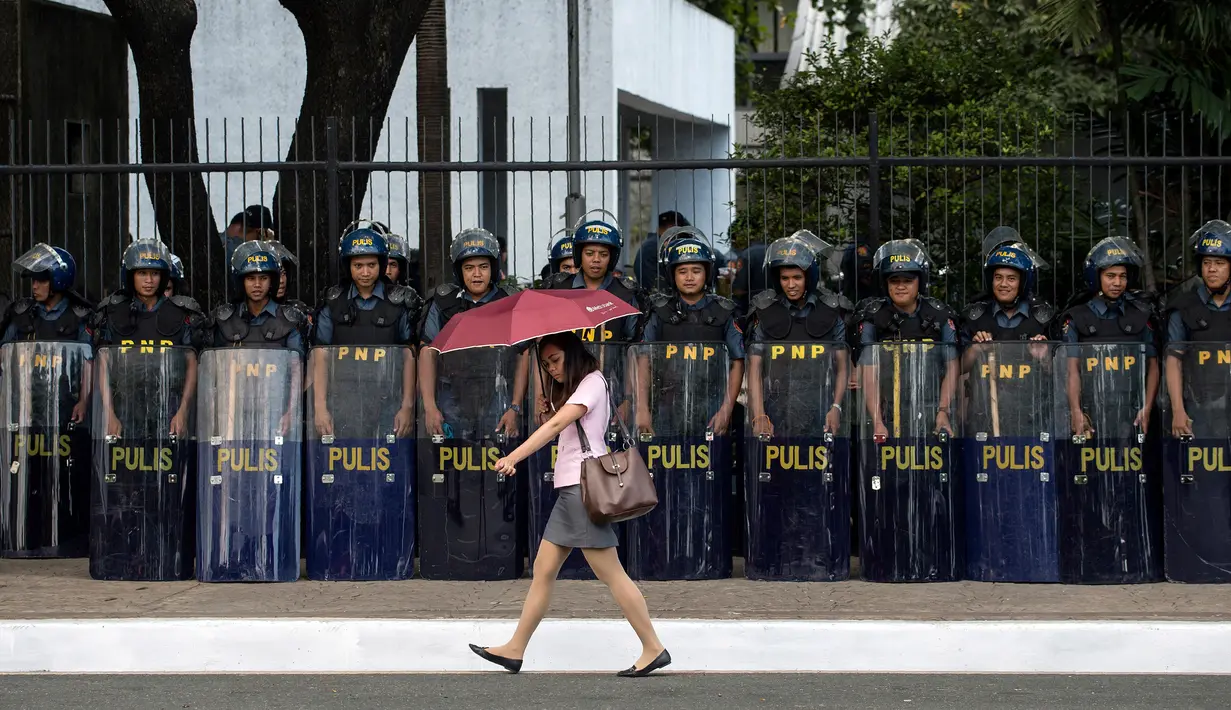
(1221, 289)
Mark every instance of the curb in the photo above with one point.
(117, 646)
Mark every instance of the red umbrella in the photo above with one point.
(528, 315)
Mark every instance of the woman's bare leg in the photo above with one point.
(547, 564)
(606, 565)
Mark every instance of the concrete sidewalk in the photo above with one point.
(62, 589)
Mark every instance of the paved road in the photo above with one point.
(43, 589)
(666, 692)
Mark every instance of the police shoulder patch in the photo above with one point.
(224, 312)
(187, 303)
(23, 305)
(1043, 312)
(293, 314)
(764, 299)
(974, 311)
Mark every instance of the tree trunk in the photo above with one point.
(159, 33)
(355, 52)
(434, 116)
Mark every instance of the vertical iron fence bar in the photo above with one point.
(331, 186)
(874, 182)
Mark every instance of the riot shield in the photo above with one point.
(249, 449)
(679, 388)
(798, 493)
(143, 500)
(44, 498)
(1008, 462)
(1196, 461)
(360, 484)
(1108, 493)
(613, 362)
(468, 522)
(909, 488)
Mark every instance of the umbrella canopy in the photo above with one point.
(528, 315)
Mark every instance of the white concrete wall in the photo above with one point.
(249, 68)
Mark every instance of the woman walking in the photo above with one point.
(577, 391)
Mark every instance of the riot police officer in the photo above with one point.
(398, 268)
(1117, 313)
(910, 504)
(796, 308)
(902, 268)
(1108, 489)
(596, 252)
(52, 311)
(798, 500)
(1202, 315)
(691, 369)
(690, 313)
(1196, 491)
(176, 283)
(288, 263)
(560, 256)
(1009, 309)
(139, 313)
(475, 254)
(142, 502)
(365, 308)
(258, 320)
(44, 397)
(1008, 452)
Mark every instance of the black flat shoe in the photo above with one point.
(663, 660)
(512, 665)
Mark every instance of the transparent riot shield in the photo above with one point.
(1108, 492)
(1008, 462)
(45, 496)
(679, 388)
(1196, 454)
(249, 452)
(798, 493)
(143, 499)
(468, 521)
(361, 463)
(613, 362)
(909, 486)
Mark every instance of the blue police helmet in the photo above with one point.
(902, 256)
(364, 242)
(560, 250)
(47, 262)
(177, 267)
(1212, 239)
(144, 254)
(474, 242)
(604, 232)
(1109, 252)
(790, 251)
(255, 257)
(399, 249)
(1011, 256)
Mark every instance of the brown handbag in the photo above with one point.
(615, 486)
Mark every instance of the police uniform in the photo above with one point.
(273, 326)
(932, 320)
(1195, 318)
(32, 320)
(384, 318)
(819, 317)
(1024, 320)
(711, 319)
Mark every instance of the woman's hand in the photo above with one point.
(506, 466)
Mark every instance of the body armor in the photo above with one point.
(981, 316)
(31, 326)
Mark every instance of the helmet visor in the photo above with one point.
(42, 258)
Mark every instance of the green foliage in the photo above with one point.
(957, 90)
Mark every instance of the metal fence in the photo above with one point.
(1062, 181)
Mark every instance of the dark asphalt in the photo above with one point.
(665, 692)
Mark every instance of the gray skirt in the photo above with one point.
(570, 525)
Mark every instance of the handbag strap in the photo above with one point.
(581, 433)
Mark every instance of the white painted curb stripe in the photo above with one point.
(400, 645)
